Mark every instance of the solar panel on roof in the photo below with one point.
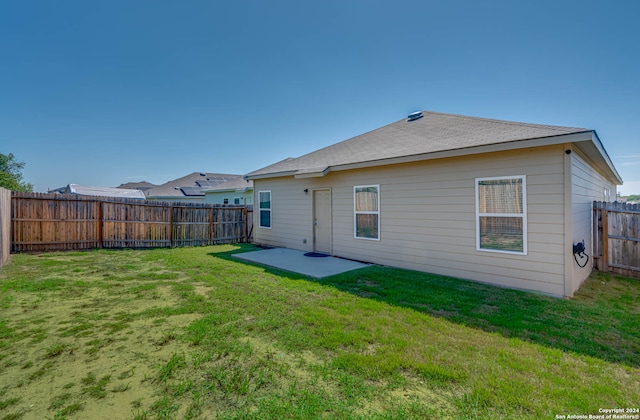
(191, 191)
(209, 184)
(212, 182)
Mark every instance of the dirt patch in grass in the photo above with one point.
(90, 355)
(192, 333)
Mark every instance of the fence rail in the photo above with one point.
(617, 238)
(53, 222)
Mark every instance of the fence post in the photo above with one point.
(605, 237)
(210, 227)
(100, 224)
(170, 225)
(245, 217)
(5, 225)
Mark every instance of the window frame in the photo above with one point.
(357, 212)
(522, 215)
(269, 210)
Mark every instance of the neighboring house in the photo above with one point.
(189, 188)
(143, 186)
(60, 190)
(236, 191)
(101, 191)
(487, 200)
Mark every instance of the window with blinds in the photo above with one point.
(501, 217)
(264, 209)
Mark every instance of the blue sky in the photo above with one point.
(106, 92)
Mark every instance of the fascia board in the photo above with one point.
(496, 147)
(270, 175)
(312, 173)
(219, 191)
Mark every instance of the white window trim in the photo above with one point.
(355, 213)
(269, 210)
(523, 215)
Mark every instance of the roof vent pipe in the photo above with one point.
(414, 116)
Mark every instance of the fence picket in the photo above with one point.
(47, 222)
(616, 238)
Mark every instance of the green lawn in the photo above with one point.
(194, 333)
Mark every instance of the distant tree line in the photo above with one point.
(11, 174)
(632, 197)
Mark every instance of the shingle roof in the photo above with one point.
(142, 186)
(193, 183)
(238, 183)
(104, 191)
(434, 132)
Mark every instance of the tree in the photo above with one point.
(11, 174)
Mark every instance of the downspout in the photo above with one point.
(568, 223)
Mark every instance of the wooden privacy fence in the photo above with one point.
(616, 238)
(5, 225)
(50, 222)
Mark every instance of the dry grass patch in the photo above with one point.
(193, 333)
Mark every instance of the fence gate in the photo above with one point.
(616, 238)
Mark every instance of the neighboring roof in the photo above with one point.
(191, 185)
(142, 186)
(238, 184)
(60, 190)
(104, 191)
(431, 136)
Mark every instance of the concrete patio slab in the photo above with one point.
(296, 261)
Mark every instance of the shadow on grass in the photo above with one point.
(602, 320)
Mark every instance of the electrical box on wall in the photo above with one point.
(580, 255)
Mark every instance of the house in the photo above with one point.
(493, 201)
(189, 188)
(100, 191)
(235, 191)
(143, 186)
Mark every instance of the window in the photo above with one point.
(236, 200)
(226, 201)
(265, 209)
(366, 203)
(501, 214)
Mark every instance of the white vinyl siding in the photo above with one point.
(217, 197)
(428, 218)
(366, 212)
(501, 214)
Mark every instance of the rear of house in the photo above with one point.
(485, 200)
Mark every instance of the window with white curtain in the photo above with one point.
(501, 214)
